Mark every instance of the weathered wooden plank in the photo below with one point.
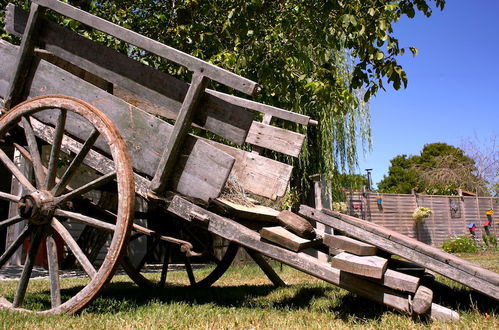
(296, 224)
(266, 109)
(384, 241)
(153, 91)
(349, 245)
(421, 303)
(400, 281)
(285, 238)
(179, 133)
(24, 57)
(257, 174)
(443, 314)
(256, 212)
(192, 63)
(238, 233)
(370, 266)
(201, 170)
(275, 138)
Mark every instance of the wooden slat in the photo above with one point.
(153, 91)
(238, 233)
(349, 245)
(400, 281)
(285, 238)
(192, 63)
(257, 174)
(437, 261)
(264, 108)
(201, 170)
(369, 266)
(24, 57)
(180, 130)
(275, 138)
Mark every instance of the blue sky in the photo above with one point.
(453, 89)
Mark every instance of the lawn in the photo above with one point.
(244, 299)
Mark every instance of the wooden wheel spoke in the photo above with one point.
(190, 273)
(74, 247)
(56, 148)
(16, 172)
(10, 221)
(53, 263)
(27, 269)
(9, 197)
(164, 269)
(77, 161)
(85, 219)
(86, 188)
(15, 245)
(35, 154)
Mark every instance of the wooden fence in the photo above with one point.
(451, 214)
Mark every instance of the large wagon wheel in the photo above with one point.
(45, 207)
(202, 242)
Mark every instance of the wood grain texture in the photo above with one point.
(285, 238)
(256, 212)
(349, 245)
(400, 281)
(296, 224)
(275, 138)
(369, 266)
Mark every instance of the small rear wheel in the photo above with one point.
(69, 150)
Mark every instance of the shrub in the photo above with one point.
(490, 241)
(460, 244)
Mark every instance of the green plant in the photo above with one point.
(490, 241)
(421, 213)
(460, 244)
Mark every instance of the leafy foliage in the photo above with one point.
(460, 244)
(440, 169)
(325, 59)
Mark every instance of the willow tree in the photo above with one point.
(325, 59)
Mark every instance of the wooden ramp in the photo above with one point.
(459, 270)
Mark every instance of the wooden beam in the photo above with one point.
(349, 245)
(24, 58)
(285, 238)
(296, 224)
(258, 213)
(421, 303)
(399, 281)
(438, 261)
(192, 63)
(266, 268)
(369, 266)
(179, 133)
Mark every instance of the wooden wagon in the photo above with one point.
(83, 121)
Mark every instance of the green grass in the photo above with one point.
(244, 299)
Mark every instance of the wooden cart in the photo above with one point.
(83, 121)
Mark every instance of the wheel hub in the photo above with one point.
(37, 207)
